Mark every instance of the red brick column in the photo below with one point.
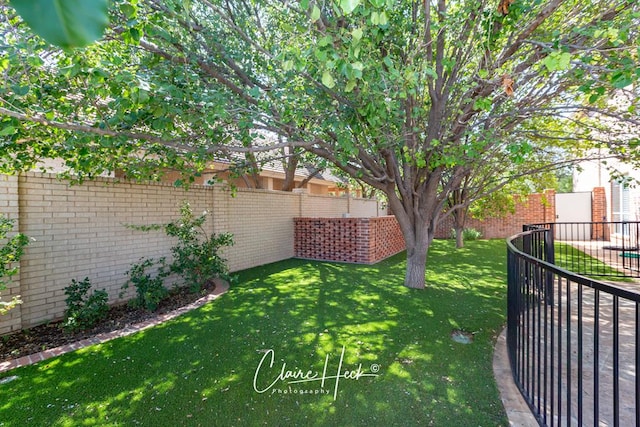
(599, 214)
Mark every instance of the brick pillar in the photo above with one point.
(599, 214)
(549, 205)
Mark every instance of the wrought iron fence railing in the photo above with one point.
(573, 342)
(594, 248)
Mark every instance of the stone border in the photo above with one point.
(517, 409)
(221, 287)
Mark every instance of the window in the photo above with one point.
(620, 204)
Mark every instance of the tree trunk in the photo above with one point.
(415, 276)
(459, 223)
(459, 236)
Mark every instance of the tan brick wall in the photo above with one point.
(363, 208)
(79, 231)
(261, 222)
(323, 206)
(9, 207)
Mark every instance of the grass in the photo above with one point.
(199, 369)
(576, 260)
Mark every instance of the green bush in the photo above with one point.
(468, 234)
(471, 234)
(84, 310)
(11, 250)
(150, 289)
(195, 257)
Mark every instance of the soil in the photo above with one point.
(51, 335)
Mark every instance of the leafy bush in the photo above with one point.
(84, 310)
(10, 253)
(195, 257)
(150, 290)
(471, 234)
(468, 234)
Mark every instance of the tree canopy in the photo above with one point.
(409, 97)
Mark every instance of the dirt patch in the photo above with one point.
(51, 335)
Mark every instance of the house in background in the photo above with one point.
(621, 180)
(271, 176)
(622, 187)
(268, 174)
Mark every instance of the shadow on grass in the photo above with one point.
(199, 369)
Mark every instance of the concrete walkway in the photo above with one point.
(517, 409)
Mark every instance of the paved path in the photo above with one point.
(514, 404)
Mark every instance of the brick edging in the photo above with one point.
(221, 287)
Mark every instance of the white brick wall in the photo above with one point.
(80, 232)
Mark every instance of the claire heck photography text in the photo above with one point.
(275, 378)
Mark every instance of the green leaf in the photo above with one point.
(351, 84)
(483, 104)
(557, 61)
(324, 41)
(356, 33)
(254, 92)
(431, 73)
(377, 3)
(287, 65)
(383, 20)
(65, 23)
(348, 6)
(6, 131)
(327, 79)
(315, 13)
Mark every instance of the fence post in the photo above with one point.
(550, 257)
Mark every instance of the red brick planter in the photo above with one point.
(354, 240)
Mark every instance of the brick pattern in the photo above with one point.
(385, 238)
(532, 209)
(354, 240)
(599, 214)
(80, 231)
(9, 207)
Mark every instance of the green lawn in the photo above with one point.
(199, 369)
(577, 261)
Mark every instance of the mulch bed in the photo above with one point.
(51, 335)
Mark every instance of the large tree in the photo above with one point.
(406, 96)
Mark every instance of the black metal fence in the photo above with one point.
(573, 342)
(594, 248)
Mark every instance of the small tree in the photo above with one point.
(11, 250)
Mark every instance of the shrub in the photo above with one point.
(468, 234)
(195, 257)
(11, 250)
(150, 290)
(84, 310)
(471, 234)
